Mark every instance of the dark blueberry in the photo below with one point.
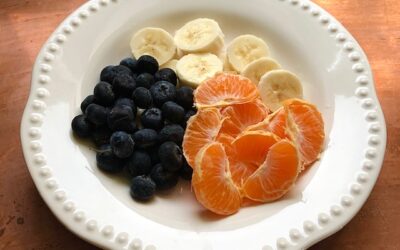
(103, 93)
(186, 171)
(172, 132)
(86, 102)
(110, 72)
(153, 152)
(145, 80)
(147, 64)
(173, 112)
(122, 144)
(96, 114)
(124, 85)
(126, 102)
(81, 126)
(121, 118)
(145, 138)
(152, 118)
(170, 156)
(142, 188)
(163, 179)
(166, 75)
(130, 62)
(139, 163)
(162, 92)
(184, 97)
(142, 98)
(101, 135)
(188, 114)
(107, 161)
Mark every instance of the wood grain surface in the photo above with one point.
(27, 223)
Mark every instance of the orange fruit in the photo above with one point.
(201, 129)
(225, 89)
(305, 128)
(249, 152)
(241, 116)
(275, 175)
(275, 123)
(212, 183)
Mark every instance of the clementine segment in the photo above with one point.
(225, 89)
(212, 183)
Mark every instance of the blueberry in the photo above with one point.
(130, 62)
(103, 93)
(173, 112)
(170, 156)
(126, 102)
(186, 171)
(184, 97)
(152, 118)
(139, 163)
(96, 114)
(145, 138)
(86, 102)
(110, 72)
(153, 152)
(188, 114)
(124, 85)
(142, 188)
(163, 179)
(162, 92)
(147, 64)
(107, 161)
(101, 135)
(121, 118)
(172, 132)
(145, 80)
(81, 126)
(142, 98)
(122, 144)
(166, 74)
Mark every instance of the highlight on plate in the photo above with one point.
(224, 115)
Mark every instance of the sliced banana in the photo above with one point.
(244, 50)
(256, 69)
(170, 64)
(201, 35)
(155, 42)
(193, 69)
(277, 86)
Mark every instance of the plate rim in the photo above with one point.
(360, 189)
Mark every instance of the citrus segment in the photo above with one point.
(275, 123)
(276, 175)
(212, 183)
(225, 89)
(305, 128)
(201, 129)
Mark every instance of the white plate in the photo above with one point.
(303, 38)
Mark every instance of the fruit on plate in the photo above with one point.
(202, 35)
(245, 49)
(193, 69)
(171, 64)
(256, 69)
(225, 89)
(277, 86)
(155, 42)
(212, 183)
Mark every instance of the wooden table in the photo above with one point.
(27, 223)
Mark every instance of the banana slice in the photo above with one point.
(155, 42)
(246, 49)
(170, 64)
(193, 69)
(201, 35)
(256, 69)
(277, 86)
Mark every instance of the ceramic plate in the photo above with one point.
(303, 38)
